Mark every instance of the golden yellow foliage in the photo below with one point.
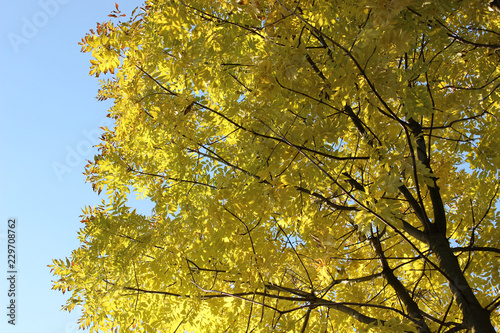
(316, 166)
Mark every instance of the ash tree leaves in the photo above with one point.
(315, 166)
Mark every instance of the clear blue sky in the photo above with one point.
(49, 120)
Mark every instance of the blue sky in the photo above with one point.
(49, 121)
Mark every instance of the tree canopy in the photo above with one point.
(315, 166)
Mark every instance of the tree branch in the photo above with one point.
(410, 305)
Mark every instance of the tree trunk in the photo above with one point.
(475, 317)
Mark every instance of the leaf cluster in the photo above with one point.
(314, 166)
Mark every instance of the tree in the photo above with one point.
(316, 166)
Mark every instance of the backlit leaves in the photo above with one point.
(279, 142)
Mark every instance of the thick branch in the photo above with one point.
(419, 211)
(476, 249)
(437, 202)
(403, 294)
